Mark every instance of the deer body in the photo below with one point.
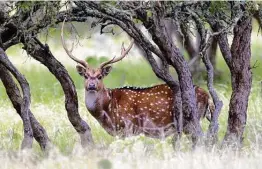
(131, 111)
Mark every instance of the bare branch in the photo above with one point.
(204, 45)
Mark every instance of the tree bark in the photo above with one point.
(215, 109)
(241, 79)
(164, 75)
(191, 48)
(212, 53)
(42, 54)
(14, 95)
(156, 28)
(172, 54)
(28, 133)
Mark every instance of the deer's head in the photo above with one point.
(94, 76)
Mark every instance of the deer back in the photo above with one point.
(148, 110)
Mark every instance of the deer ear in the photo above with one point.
(106, 70)
(81, 70)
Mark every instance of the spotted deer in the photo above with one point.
(131, 111)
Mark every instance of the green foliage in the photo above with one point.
(149, 14)
(94, 61)
(27, 6)
(252, 7)
(41, 12)
(218, 6)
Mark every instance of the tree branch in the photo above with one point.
(42, 54)
(204, 45)
(14, 95)
(28, 133)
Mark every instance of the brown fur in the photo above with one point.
(128, 111)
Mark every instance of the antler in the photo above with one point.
(69, 52)
(123, 54)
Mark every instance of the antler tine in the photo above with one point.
(69, 52)
(123, 54)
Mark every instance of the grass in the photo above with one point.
(135, 152)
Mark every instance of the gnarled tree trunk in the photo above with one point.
(241, 78)
(14, 95)
(172, 54)
(28, 133)
(42, 53)
(212, 53)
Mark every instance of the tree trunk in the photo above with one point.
(212, 52)
(191, 48)
(214, 109)
(186, 41)
(42, 53)
(14, 95)
(172, 54)
(28, 133)
(241, 80)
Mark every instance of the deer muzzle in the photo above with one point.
(91, 86)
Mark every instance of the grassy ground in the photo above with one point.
(136, 152)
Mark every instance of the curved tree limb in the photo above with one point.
(238, 60)
(21, 24)
(14, 95)
(204, 45)
(42, 54)
(28, 133)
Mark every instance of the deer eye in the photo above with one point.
(86, 76)
(99, 77)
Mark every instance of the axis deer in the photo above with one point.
(130, 111)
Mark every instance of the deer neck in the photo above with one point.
(96, 102)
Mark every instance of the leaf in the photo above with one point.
(148, 14)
